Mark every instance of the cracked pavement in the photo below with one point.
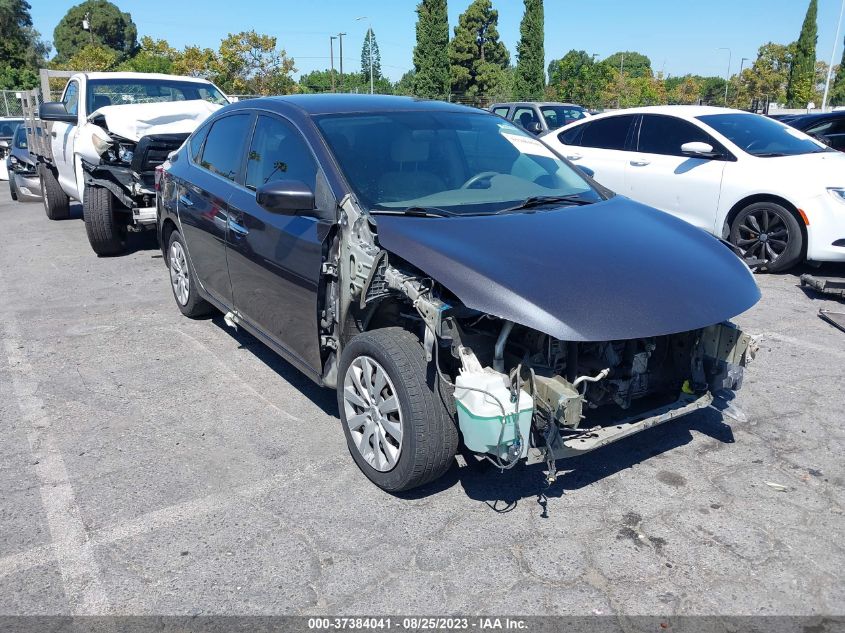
(156, 465)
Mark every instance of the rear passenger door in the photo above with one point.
(275, 259)
(600, 145)
(202, 200)
(661, 176)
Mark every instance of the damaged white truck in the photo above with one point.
(104, 139)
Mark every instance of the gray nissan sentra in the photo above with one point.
(453, 278)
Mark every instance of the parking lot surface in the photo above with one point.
(151, 464)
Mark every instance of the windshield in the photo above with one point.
(7, 127)
(106, 92)
(760, 136)
(558, 116)
(455, 162)
(20, 137)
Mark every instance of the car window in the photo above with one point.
(71, 97)
(665, 135)
(761, 136)
(607, 133)
(117, 91)
(501, 111)
(195, 144)
(573, 135)
(278, 152)
(558, 116)
(525, 116)
(222, 151)
(831, 126)
(20, 137)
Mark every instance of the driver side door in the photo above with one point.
(63, 139)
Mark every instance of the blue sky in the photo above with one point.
(679, 36)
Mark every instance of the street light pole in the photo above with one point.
(340, 38)
(832, 59)
(728, 76)
(369, 47)
(332, 38)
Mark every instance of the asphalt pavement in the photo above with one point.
(151, 464)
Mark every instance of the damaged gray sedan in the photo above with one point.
(451, 277)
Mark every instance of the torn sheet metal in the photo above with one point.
(836, 319)
(824, 285)
(136, 120)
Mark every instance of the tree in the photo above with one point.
(249, 63)
(631, 63)
(21, 50)
(370, 55)
(321, 81)
(799, 91)
(108, 26)
(578, 79)
(684, 90)
(154, 56)
(431, 54)
(478, 58)
(530, 80)
(405, 85)
(91, 58)
(194, 61)
(837, 91)
(768, 76)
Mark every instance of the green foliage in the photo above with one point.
(768, 76)
(431, 79)
(837, 90)
(194, 61)
(249, 63)
(321, 81)
(154, 56)
(478, 58)
(801, 88)
(405, 85)
(576, 78)
(109, 27)
(21, 50)
(529, 80)
(633, 64)
(91, 58)
(370, 54)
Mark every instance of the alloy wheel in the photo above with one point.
(372, 413)
(763, 234)
(179, 273)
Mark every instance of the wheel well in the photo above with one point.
(167, 229)
(765, 197)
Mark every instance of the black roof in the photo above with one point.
(314, 104)
(809, 119)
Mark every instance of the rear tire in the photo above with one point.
(770, 231)
(56, 201)
(105, 234)
(183, 280)
(12, 189)
(429, 436)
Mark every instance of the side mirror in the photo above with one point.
(286, 197)
(55, 111)
(697, 149)
(4, 144)
(534, 127)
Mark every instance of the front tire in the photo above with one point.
(183, 281)
(56, 201)
(105, 233)
(767, 230)
(397, 427)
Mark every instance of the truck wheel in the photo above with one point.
(767, 230)
(56, 201)
(105, 233)
(397, 427)
(183, 281)
(12, 189)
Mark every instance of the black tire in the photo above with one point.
(195, 306)
(12, 189)
(56, 201)
(106, 234)
(429, 434)
(767, 230)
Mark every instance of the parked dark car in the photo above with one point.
(7, 130)
(828, 127)
(24, 183)
(451, 277)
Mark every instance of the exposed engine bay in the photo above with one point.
(519, 392)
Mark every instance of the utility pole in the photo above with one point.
(621, 80)
(741, 65)
(86, 25)
(727, 76)
(832, 59)
(340, 38)
(332, 38)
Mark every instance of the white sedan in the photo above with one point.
(776, 193)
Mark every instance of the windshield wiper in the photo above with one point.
(421, 212)
(539, 201)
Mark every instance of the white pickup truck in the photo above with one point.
(106, 137)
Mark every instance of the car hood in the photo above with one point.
(607, 271)
(136, 120)
(825, 168)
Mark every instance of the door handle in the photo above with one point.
(238, 229)
(53, 134)
(183, 199)
(640, 163)
(574, 156)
